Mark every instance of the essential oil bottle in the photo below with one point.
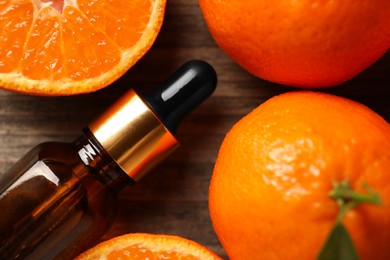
(57, 200)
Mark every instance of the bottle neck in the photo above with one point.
(100, 163)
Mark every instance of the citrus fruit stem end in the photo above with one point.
(339, 244)
(347, 198)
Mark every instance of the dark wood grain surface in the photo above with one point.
(173, 198)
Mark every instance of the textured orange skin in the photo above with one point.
(269, 189)
(301, 43)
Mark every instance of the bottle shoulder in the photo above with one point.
(55, 151)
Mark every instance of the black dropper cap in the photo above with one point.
(182, 92)
(137, 131)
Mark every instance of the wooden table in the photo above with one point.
(173, 198)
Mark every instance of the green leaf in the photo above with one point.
(339, 245)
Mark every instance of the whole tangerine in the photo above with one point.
(311, 44)
(269, 192)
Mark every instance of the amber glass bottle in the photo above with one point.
(58, 199)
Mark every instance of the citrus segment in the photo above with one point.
(71, 47)
(114, 20)
(15, 23)
(92, 52)
(149, 246)
(43, 55)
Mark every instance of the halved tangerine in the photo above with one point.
(65, 47)
(149, 246)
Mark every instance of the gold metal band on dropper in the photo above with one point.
(133, 135)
